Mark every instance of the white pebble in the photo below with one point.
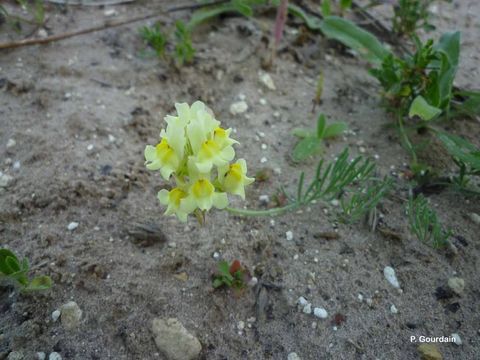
(55, 315)
(241, 325)
(302, 301)
(289, 235)
(5, 180)
(11, 143)
(360, 297)
(393, 309)
(362, 150)
(111, 138)
(216, 255)
(90, 147)
(40, 355)
(295, 257)
(335, 202)
(307, 309)
(267, 80)
(241, 97)
(293, 356)
(264, 199)
(321, 313)
(238, 108)
(16, 165)
(110, 12)
(263, 160)
(272, 223)
(264, 146)
(54, 356)
(389, 274)
(457, 339)
(72, 226)
(262, 101)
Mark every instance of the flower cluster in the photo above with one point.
(196, 152)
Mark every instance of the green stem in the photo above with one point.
(269, 212)
(406, 140)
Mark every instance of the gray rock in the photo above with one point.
(457, 285)
(54, 356)
(174, 341)
(5, 180)
(238, 108)
(15, 355)
(71, 315)
(40, 356)
(293, 356)
(475, 218)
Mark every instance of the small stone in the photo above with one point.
(238, 107)
(362, 150)
(307, 309)
(289, 235)
(266, 80)
(183, 276)
(216, 255)
(111, 138)
(264, 199)
(54, 356)
(360, 297)
(335, 202)
(429, 352)
(369, 302)
(15, 355)
(11, 143)
(321, 313)
(302, 301)
(457, 339)
(16, 165)
(174, 341)
(40, 355)
(172, 245)
(457, 285)
(389, 274)
(71, 315)
(262, 101)
(393, 309)
(42, 33)
(241, 325)
(264, 146)
(55, 315)
(263, 160)
(475, 218)
(253, 281)
(5, 180)
(293, 356)
(72, 226)
(110, 12)
(90, 147)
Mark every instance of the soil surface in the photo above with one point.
(81, 112)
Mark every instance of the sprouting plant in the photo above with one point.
(327, 184)
(465, 155)
(196, 152)
(327, 5)
(155, 38)
(184, 51)
(318, 91)
(364, 200)
(312, 141)
(424, 223)
(410, 15)
(16, 271)
(233, 276)
(35, 10)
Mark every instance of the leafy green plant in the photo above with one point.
(154, 37)
(424, 223)
(312, 141)
(184, 51)
(233, 276)
(364, 200)
(327, 184)
(14, 270)
(410, 15)
(34, 9)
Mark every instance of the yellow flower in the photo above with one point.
(202, 195)
(173, 200)
(234, 178)
(211, 154)
(200, 128)
(162, 157)
(175, 134)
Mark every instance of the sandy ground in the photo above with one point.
(81, 112)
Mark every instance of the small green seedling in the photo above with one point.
(364, 200)
(154, 37)
(14, 270)
(424, 223)
(184, 51)
(233, 276)
(465, 155)
(411, 15)
(312, 141)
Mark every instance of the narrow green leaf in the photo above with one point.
(449, 43)
(306, 147)
(421, 108)
(312, 22)
(461, 149)
(301, 133)
(349, 34)
(326, 8)
(321, 124)
(334, 129)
